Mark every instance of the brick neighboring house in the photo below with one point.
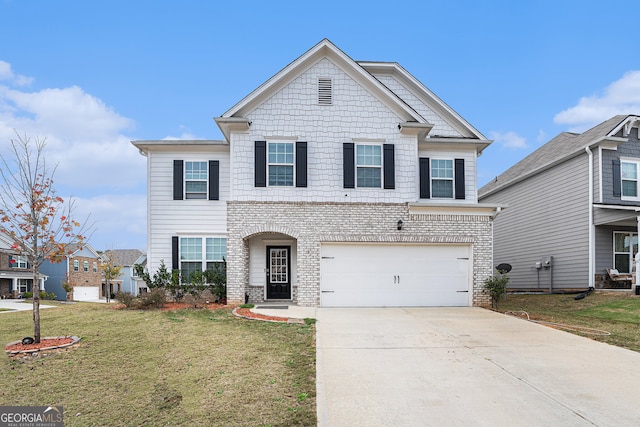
(82, 268)
(16, 277)
(338, 183)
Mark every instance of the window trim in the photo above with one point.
(204, 180)
(635, 162)
(204, 259)
(292, 164)
(379, 167)
(85, 266)
(76, 265)
(452, 179)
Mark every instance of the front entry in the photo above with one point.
(278, 272)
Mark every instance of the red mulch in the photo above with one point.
(248, 313)
(44, 342)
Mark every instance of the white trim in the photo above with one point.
(635, 162)
(591, 230)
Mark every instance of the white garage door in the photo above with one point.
(395, 275)
(85, 293)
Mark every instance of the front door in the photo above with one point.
(278, 272)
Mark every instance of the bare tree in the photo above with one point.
(38, 221)
(110, 272)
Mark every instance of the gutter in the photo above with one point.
(591, 226)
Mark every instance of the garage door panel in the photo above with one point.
(394, 275)
(86, 293)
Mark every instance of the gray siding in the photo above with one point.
(547, 215)
(631, 148)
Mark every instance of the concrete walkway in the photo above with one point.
(467, 367)
(19, 305)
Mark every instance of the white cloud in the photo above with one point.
(542, 136)
(96, 161)
(7, 75)
(620, 97)
(509, 139)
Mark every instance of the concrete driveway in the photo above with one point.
(467, 367)
(19, 305)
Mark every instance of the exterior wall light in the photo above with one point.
(400, 224)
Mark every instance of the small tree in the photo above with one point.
(37, 220)
(110, 272)
(497, 287)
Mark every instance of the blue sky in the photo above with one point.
(93, 75)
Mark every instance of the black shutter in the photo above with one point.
(617, 183)
(214, 180)
(459, 177)
(175, 261)
(389, 167)
(348, 165)
(301, 164)
(425, 188)
(178, 179)
(261, 164)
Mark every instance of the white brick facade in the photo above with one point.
(314, 223)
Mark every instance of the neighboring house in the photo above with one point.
(16, 276)
(82, 268)
(339, 183)
(573, 209)
(126, 259)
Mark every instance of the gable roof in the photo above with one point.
(561, 148)
(361, 72)
(124, 257)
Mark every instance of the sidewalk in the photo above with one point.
(19, 305)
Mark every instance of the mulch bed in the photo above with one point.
(48, 343)
(248, 314)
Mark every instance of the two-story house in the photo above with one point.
(338, 183)
(126, 259)
(573, 209)
(16, 276)
(81, 267)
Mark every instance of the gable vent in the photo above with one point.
(325, 91)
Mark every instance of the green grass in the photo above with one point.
(614, 312)
(187, 367)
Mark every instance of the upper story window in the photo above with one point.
(280, 163)
(85, 266)
(442, 178)
(195, 177)
(17, 261)
(368, 166)
(95, 267)
(629, 176)
(76, 265)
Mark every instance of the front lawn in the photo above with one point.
(614, 312)
(153, 368)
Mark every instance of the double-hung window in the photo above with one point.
(195, 177)
(368, 166)
(199, 254)
(17, 261)
(85, 267)
(280, 163)
(629, 177)
(442, 178)
(625, 246)
(76, 265)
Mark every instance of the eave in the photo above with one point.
(144, 146)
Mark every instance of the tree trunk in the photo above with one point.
(35, 289)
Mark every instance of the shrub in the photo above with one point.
(27, 295)
(497, 287)
(155, 298)
(126, 298)
(48, 295)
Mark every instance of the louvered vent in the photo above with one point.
(325, 92)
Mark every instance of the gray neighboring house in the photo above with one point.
(128, 281)
(573, 209)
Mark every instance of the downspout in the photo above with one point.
(591, 226)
